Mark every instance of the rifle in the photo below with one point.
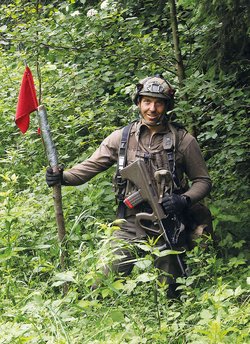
(137, 173)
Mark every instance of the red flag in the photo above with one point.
(27, 101)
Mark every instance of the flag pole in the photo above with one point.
(57, 194)
(52, 157)
(27, 103)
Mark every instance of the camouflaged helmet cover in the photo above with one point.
(157, 87)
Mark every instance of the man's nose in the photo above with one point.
(152, 107)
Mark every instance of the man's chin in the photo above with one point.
(152, 123)
(153, 119)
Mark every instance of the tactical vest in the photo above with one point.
(170, 143)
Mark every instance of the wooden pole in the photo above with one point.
(57, 194)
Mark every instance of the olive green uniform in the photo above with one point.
(143, 144)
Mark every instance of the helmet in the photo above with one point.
(155, 86)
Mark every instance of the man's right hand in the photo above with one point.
(54, 178)
(175, 204)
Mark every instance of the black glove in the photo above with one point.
(175, 204)
(54, 178)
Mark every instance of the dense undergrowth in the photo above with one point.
(214, 299)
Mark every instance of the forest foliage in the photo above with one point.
(86, 56)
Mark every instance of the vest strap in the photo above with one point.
(122, 159)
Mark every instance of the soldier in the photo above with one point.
(165, 147)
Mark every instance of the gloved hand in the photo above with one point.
(54, 178)
(175, 204)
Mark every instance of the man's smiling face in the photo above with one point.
(152, 110)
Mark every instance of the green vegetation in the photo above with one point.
(85, 56)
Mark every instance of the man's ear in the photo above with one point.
(139, 102)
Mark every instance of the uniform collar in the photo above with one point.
(140, 127)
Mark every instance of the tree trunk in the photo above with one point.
(178, 55)
(176, 41)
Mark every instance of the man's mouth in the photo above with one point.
(152, 117)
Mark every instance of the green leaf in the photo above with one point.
(117, 316)
(106, 292)
(67, 276)
(144, 247)
(143, 263)
(168, 252)
(206, 315)
(118, 285)
(146, 277)
(57, 284)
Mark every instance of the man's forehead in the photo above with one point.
(153, 98)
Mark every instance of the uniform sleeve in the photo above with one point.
(104, 157)
(196, 171)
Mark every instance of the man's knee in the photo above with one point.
(123, 262)
(199, 224)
